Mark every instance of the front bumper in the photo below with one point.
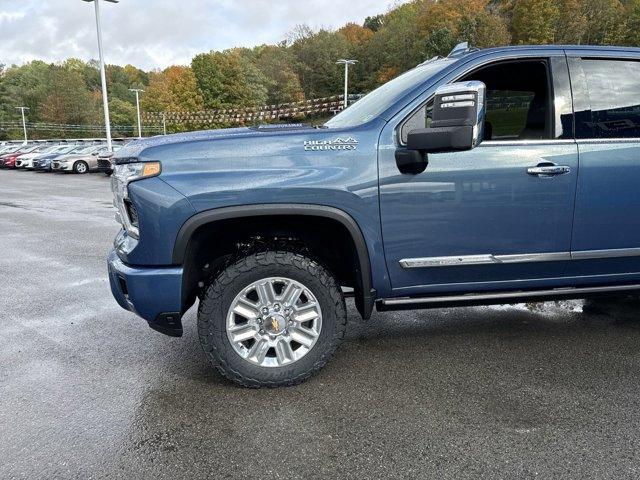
(105, 166)
(153, 293)
(58, 167)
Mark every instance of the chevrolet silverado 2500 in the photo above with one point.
(491, 176)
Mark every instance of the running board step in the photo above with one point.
(497, 298)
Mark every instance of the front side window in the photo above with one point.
(614, 94)
(518, 102)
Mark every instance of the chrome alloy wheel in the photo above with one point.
(274, 322)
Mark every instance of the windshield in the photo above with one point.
(64, 150)
(50, 149)
(376, 102)
(89, 149)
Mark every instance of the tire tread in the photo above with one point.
(212, 299)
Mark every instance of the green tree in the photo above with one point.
(315, 62)
(122, 113)
(276, 65)
(374, 23)
(221, 80)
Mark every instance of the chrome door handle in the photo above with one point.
(548, 170)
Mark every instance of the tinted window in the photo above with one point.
(507, 113)
(614, 94)
(518, 106)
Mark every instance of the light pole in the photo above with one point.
(137, 92)
(103, 76)
(24, 123)
(346, 77)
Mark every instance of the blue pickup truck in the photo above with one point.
(488, 177)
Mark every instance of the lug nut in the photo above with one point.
(265, 310)
(276, 307)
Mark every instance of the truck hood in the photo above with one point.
(147, 149)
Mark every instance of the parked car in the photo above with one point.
(5, 154)
(8, 162)
(43, 162)
(104, 162)
(82, 161)
(28, 160)
(16, 158)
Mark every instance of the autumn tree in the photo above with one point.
(633, 23)
(572, 24)
(606, 22)
(534, 21)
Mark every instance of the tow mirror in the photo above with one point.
(457, 125)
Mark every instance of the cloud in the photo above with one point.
(159, 33)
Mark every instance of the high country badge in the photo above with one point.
(337, 144)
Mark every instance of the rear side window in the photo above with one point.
(614, 93)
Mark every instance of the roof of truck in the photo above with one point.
(545, 48)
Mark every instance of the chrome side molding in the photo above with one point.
(490, 259)
(615, 253)
(504, 297)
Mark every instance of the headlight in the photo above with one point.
(135, 171)
(122, 176)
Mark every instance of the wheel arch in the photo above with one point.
(364, 295)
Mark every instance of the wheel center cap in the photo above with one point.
(275, 324)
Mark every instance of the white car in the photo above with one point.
(25, 160)
(36, 154)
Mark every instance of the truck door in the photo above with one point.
(484, 219)
(606, 234)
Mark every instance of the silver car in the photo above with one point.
(82, 160)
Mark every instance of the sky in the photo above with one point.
(152, 34)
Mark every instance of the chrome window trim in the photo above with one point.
(490, 259)
(583, 141)
(501, 143)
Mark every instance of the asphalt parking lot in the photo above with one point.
(87, 390)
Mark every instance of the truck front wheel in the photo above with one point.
(272, 319)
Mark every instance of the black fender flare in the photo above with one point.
(364, 301)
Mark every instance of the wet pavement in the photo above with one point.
(87, 390)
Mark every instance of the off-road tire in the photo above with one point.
(219, 295)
